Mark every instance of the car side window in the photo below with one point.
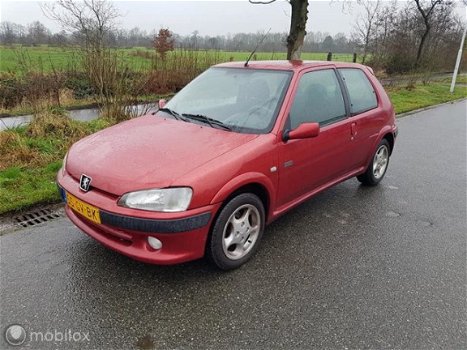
(318, 99)
(361, 93)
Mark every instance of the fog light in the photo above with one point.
(154, 243)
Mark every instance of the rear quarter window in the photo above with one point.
(361, 93)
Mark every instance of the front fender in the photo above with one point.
(244, 180)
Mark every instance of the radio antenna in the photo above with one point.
(256, 47)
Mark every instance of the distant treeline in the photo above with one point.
(37, 33)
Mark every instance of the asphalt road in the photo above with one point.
(352, 268)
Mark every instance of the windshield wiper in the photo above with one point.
(171, 112)
(212, 122)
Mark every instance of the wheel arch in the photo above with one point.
(390, 138)
(385, 134)
(258, 190)
(258, 184)
(247, 183)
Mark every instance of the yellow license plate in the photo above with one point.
(87, 210)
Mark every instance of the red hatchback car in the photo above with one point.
(236, 148)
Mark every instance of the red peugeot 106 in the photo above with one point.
(236, 148)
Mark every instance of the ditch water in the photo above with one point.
(78, 114)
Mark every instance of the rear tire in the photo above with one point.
(237, 232)
(378, 165)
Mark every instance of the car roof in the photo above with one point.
(295, 65)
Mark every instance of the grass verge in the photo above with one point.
(24, 187)
(30, 156)
(408, 99)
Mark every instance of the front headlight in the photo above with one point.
(165, 199)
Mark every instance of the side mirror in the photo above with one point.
(303, 131)
(161, 103)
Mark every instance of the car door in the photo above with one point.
(367, 116)
(307, 164)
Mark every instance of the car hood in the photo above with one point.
(148, 152)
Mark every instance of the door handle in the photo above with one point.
(353, 129)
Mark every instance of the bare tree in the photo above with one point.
(194, 39)
(93, 19)
(297, 30)
(366, 25)
(427, 10)
(10, 32)
(38, 33)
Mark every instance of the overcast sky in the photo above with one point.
(208, 17)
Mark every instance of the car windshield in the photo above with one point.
(241, 100)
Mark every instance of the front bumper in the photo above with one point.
(183, 235)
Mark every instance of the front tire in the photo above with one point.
(237, 232)
(378, 165)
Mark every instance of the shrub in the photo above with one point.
(11, 91)
(80, 84)
(56, 124)
(36, 89)
(398, 64)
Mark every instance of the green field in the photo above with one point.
(64, 58)
(47, 58)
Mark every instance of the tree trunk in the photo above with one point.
(367, 43)
(420, 46)
(297, 28)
